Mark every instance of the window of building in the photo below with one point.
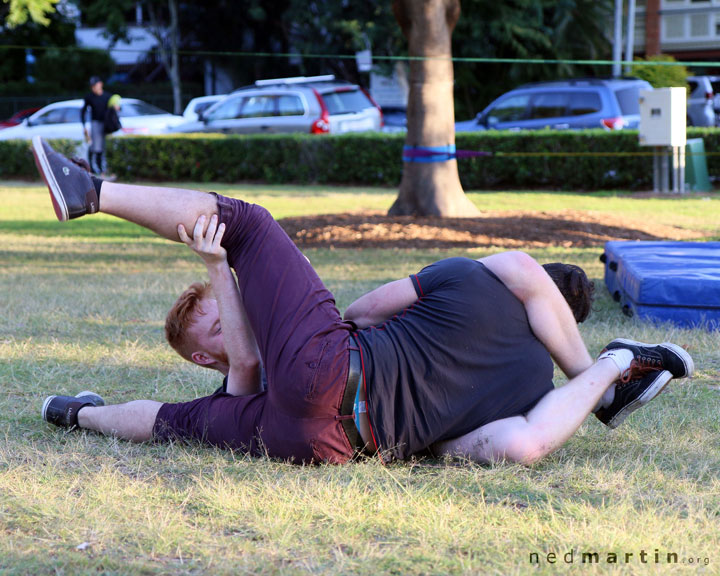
(674, 26)
(699, 25)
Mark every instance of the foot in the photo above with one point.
(62, 410)
(654, 357)
(71, 190)
(633, 395)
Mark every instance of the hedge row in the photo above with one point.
(577, 160)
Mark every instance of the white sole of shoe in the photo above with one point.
(45, 405)
(43, 165)
(652, 392)
(679, 351)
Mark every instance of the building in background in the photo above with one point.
(688, 30)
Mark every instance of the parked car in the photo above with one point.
(62, 120)
(18, 117)
(315, 105)
(394, 119)
(567, 104)
(197, 106)
(703, 105)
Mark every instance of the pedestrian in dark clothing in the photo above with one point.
(97, 102)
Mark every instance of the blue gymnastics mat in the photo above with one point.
(675, 282)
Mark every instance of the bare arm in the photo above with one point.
(377, 306)
(238, 338)
(549, 315)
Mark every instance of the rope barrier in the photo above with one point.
(461, 59)
(425, 154)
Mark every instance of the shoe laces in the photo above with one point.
(640, 367)
(81, 163)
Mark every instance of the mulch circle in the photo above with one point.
(507, 229)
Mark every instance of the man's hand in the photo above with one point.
(206, 245)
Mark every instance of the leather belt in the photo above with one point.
(346, 410)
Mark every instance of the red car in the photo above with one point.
(18, 117)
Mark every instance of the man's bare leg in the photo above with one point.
(158, 209)
(544, 429)
(74, 193)
(132, 421)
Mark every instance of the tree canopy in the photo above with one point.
(333, 30)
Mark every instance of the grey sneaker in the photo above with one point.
(71, 190)
(632, 395)
(62, 410)
(649, 357)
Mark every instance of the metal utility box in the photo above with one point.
(663, 116)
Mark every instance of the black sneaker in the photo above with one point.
(632, 395)
(62, 410)
(71, 190)
(649, 357)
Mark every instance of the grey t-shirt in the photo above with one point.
(463, 355)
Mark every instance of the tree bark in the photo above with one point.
(431, 188)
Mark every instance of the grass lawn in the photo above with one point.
(83, 306)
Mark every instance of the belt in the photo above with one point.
(346, 409)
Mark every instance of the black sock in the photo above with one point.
(97, 182)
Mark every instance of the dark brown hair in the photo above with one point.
(575, 286)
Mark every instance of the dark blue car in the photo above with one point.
(563, 105)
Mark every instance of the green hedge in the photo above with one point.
(16, 160)
(575, 160)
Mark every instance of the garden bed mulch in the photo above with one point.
(506, 229)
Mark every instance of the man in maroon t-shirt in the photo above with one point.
(409, 339)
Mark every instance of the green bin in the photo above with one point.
(696, 172)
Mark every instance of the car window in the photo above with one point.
(510, 109)
(59, 116)
(715, 86)
(290, 105)
(258, 106)
(200, 107)
(580, 103)
(128, 109)
(346, 101)
(629, 100)
(693, 85)
(227, 109)
(549, 105)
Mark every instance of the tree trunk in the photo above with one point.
(174, 57)
(430, 188)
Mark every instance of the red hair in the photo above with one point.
(182, 315)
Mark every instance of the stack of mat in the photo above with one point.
(676, 282)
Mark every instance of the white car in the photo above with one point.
(62, 120)
(197, 106)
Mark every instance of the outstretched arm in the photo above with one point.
(238, 338)
(549, 315)
(377, 306)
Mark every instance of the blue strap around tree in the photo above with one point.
(425, 154)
